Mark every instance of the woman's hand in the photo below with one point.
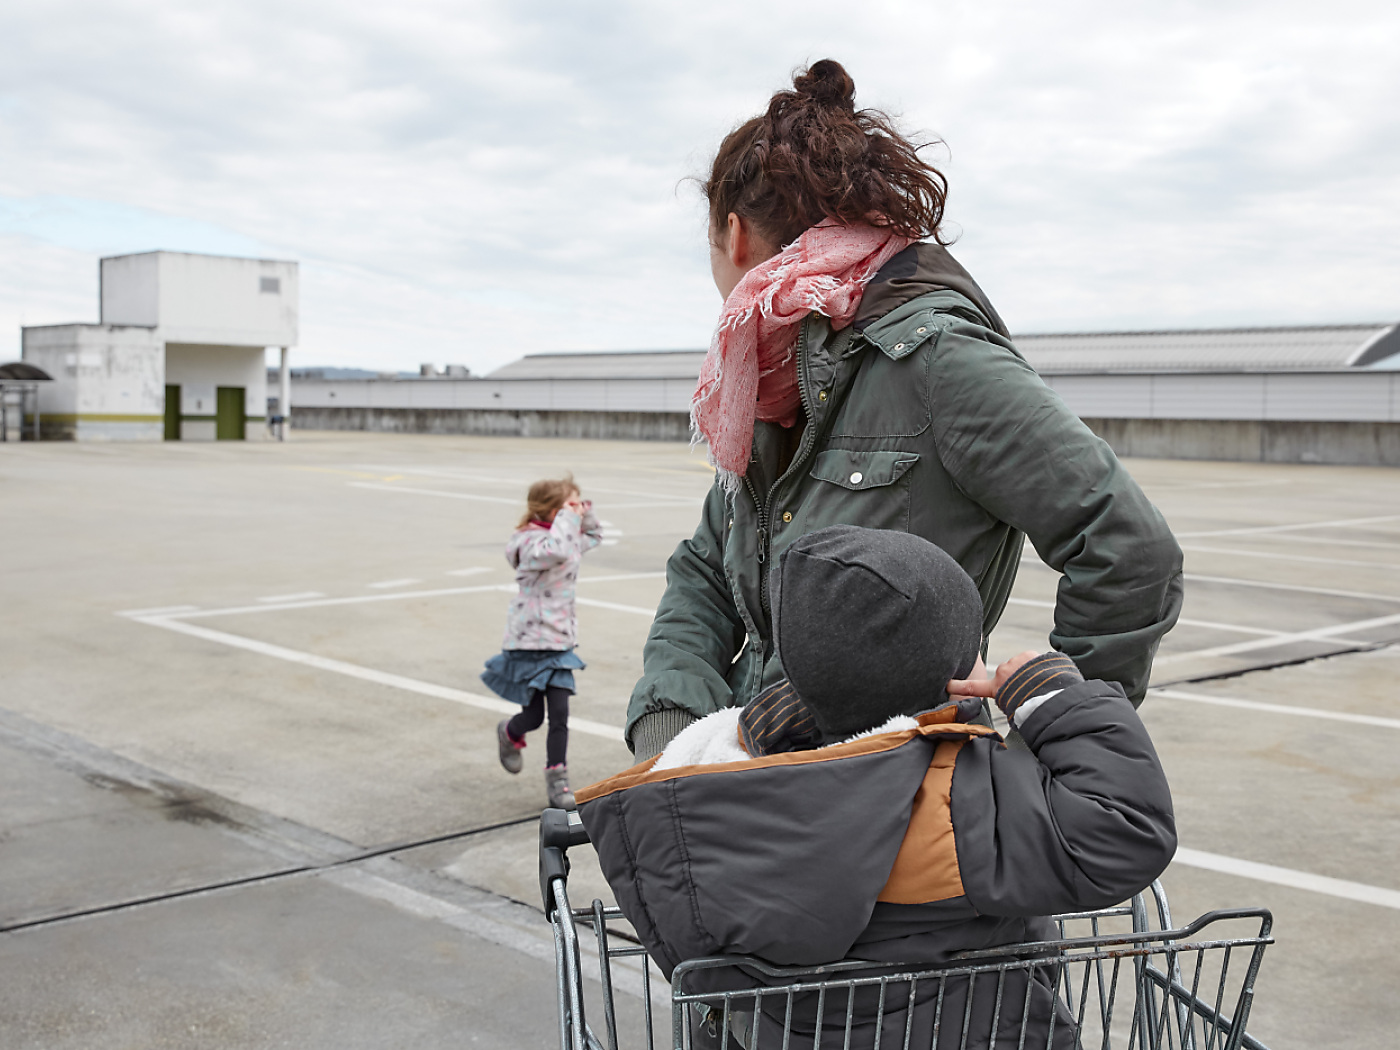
(979, 684)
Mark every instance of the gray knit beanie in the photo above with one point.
(871, 623)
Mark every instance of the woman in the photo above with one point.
(859, 376)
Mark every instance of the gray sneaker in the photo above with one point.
(556, 787)
(509, 752)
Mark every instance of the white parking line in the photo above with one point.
(1315, 713)
(1252, 530)
(384, 585)
(194, 612)
(1300, 880)
(1239, 628)
(1370, 596)
(1330, 541)
(1321, 634)
(468, 572)
(1030, 558)
(164, 610)
(672, 498)
(1192, 858)
(298, 597)
(639, 610)
(368, 674)
(321, 603)
(1170, 487)
(1302, 558)
(624, 576)
(659, 502)
(435, 492)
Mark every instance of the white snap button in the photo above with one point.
(921, 331)
(857, 478)
(899, 346)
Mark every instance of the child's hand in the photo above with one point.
(979, 684)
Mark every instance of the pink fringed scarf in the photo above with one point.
(750, 372)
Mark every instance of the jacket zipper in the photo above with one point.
(762, 508)
(808, 437)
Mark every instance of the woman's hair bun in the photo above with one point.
(811, 156)
(827, 82)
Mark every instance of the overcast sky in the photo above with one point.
(466, 182)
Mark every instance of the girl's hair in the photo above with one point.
(813, 156)
(546, 497)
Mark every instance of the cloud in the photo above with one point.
(473, 181)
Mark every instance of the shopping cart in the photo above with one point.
(1122, 978)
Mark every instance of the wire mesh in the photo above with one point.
(1117, 979)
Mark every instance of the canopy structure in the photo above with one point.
(19, 398)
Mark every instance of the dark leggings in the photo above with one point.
(532, 715)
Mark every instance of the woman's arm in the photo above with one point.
(1015, 449)
(693, 639)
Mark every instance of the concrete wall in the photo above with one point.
(664, 394)
(1356, 395)
(200, 370)
(1282, 417)
(1359, 395)
(629, 426)
(129, 289)
(109, 381)
(1263, 441)
(1366, 444)
(204, 299)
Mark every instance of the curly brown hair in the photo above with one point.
(814, 157)
(546, 497)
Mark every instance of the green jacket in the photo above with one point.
(924, 419)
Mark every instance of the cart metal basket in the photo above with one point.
(1120, 978)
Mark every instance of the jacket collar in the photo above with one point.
(896, 312)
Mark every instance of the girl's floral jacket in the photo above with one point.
(546, 560)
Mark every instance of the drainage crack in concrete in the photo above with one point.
(312, 852)
(265, 877)
(1295, 661)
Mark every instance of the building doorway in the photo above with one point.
(228, 418)
(172, 412)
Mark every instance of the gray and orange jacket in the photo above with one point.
(904, 847)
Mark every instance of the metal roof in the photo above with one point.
(1211, 349)
(23, 370)
(1182, 350)
(626, 364)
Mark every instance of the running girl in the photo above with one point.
(537, 663)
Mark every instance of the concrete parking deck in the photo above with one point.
(251, 794)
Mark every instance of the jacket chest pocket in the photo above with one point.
(888, 397)
(870, 489)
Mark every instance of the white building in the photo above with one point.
(179, 352)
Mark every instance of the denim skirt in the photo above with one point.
(517, 674)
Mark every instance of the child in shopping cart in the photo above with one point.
(856, 810)
(536, 665)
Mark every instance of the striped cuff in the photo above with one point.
(1046, 672)
(777, 720)
(654, 730)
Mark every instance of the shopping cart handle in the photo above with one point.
(559, 829)
(562, 828)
